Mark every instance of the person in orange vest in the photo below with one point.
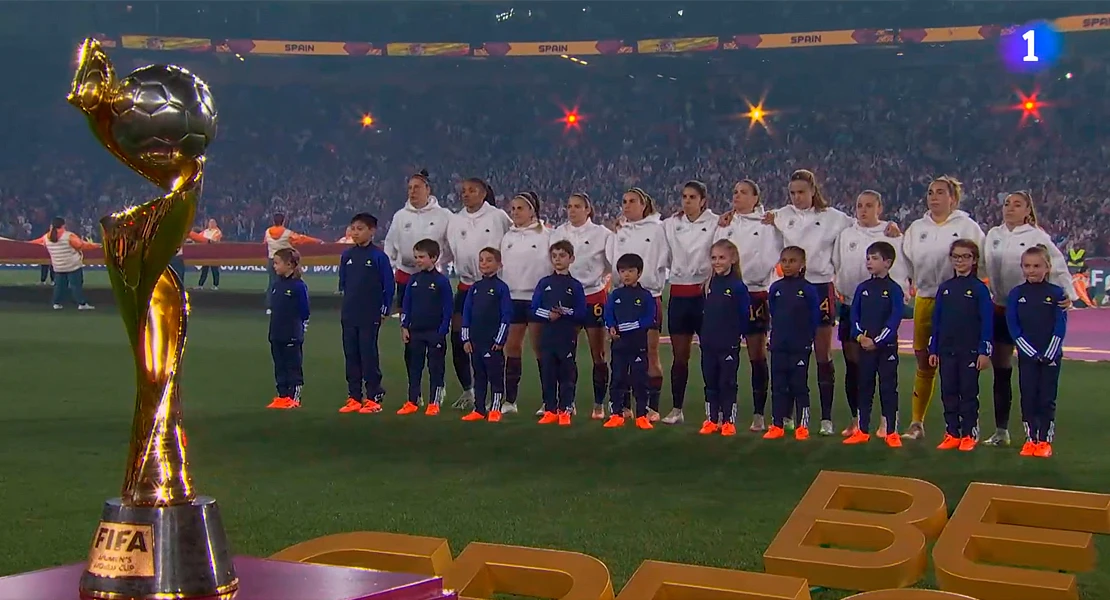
(66, 259)
(277, 237)
(210, 235)
(1082, 283)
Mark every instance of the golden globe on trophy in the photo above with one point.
(159, 539)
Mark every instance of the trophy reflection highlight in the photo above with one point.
(159, 539)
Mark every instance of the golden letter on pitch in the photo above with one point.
(482, 570)
(907, 594)
(877, 527)
(656, 580)
(1034, 528)
(393, 552)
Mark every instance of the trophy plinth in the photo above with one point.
(159, 553)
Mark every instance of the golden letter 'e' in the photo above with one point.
(393, 552)
(909, 595)
(656, 580)
(1035, 528)
(483, 570)
(873, 528)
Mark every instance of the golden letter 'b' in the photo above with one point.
(873, 528)
(482, 570)
(394, 552)
(656, 580)
(1035, 528)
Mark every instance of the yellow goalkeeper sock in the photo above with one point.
(924, 382)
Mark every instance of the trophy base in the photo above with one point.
(159, 553)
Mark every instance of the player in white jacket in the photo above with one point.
(926, 248)
(850, 264)
(641, 233)
(690, 234)
(478, 224)
(422, 218)
(1002, 257)
(592, 269)
(811, 224)
(524, 260)
(760, 245)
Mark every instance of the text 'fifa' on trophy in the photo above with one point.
(159, 539)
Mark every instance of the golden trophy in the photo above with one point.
(159, 540)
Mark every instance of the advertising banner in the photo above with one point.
(432, 49)
(672, 45)
(150, 42)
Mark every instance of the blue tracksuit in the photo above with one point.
(876, 313)
(486, 315)
(631, 311)
(366, 282)
(426, 312)
(963, 327)
(289, 314)
(726, 316)
(559, 338)
(1037, 323)
(795, 314)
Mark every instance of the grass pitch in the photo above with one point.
(285, 477)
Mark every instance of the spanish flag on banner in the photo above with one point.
(419, 49)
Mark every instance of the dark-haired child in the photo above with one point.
(963, 327)
(486, 315)
(366, 282)
(289, 312)
(1038, 321)
(795, 315)
(560, 301)
(630, 312)
(726, 309)
(875, 315)
(425, 321)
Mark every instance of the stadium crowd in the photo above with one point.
(303, 150)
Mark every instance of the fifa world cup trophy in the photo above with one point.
(159, 540)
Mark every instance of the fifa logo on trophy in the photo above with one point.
(159, 539)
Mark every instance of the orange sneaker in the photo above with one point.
(277, 402)
(288, 403)
(728, 429)
(474, 416)
(968, 444)
(801, 433)
(370, 406)
(1028, 449)
(548, 418)
(408, 408)
(494, 416)
(1044, 450)
(707, 428)
(351, 406)
(644, 423)
(774, 432)
(564, 418)
(893, 440)
(432, 410)
(858, 437)
(614, 421)
(949, 442)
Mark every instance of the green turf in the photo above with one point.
(285, 477)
